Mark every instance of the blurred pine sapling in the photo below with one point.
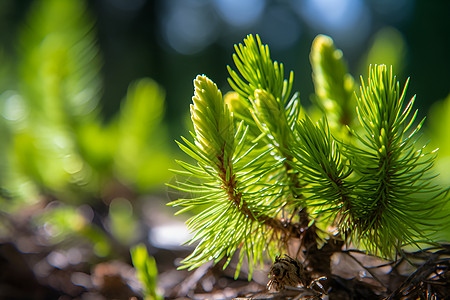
(268, 174)
(58, 141)
(56, 145)
(146, 271)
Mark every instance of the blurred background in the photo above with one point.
(172, 41)
(94, 93)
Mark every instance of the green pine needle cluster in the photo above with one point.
(263, 89)
(394, 193)
(238, 206)
(334, 86)
(320, 161)
(261, 159)
(253, 62)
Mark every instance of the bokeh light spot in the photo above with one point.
(188, 26)
(396, 11)
(13, 106)
(348, 21)
(240, 13)
(283, 30)
(169, 236)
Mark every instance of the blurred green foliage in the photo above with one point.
(388, 46)
(122, 222)
(147, 272)
(64, 223)
(56, 144)
(437, 134)
(334, 86)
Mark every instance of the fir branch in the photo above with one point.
(60, 86)
(258, 71)
(375, 185)
(394, 196)
(61, 63)
(334, 86)
(263, 90)
(323, 168)
(238, 207)
(271, 118)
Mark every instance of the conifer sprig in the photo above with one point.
(323, 168)
(263, 86)
(267, 160)
(258, 71)
(334, 86)
(393, 195)
(265, 92)
(238, 208)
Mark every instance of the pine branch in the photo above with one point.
(263, 86)
(263, 160)
(394, 196)
(334, 86)
(238, 208)
(264, 92)
(59, 87)
(61, 63)
(323, 168)
(258, 71)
